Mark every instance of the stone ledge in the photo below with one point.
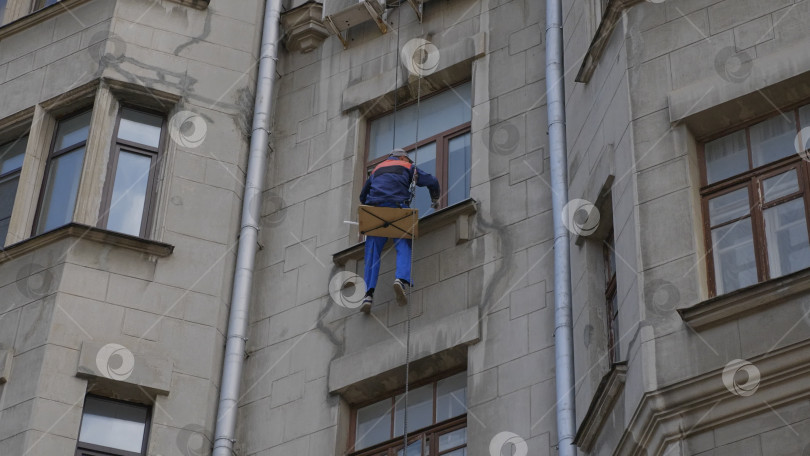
(376, 95)
(77, 230)
(732, 305)
(197, 4)
(610, 387)
(123, 371)
(611, 17)
(458, 213)
(379, 369)
(714, 104)
(690, 407)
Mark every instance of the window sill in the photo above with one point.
(77, 230)
(729, 306)
(38, 16)
(458, 213)
(606, 394)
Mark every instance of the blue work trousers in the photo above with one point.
(374, 247)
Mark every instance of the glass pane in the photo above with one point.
(373, 424)
(129, 193)
(786, 232)
(140, 127)
(734, 261)
(12, 154)
(8, 190)
(72, 130)
(729, 206)
(459, 452)
(436, 114)
(458, 169)
(414, 449)
(780, 185)
(726, 157)
(451, 397)
(425, 160)
(452, 439)
(113, 424)
(420, 409)
(61, 187)
(773, 139)
(2, 10)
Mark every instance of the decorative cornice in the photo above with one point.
(704, 402)
(610, 387)
(611, 17)
(303, 28)
(90, 233)
(732, 305)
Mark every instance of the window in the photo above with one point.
(11, 160)
(39, 4)
(129, 188)
(437, 421)
(113, 428)
(612, 310)
(62, 173)
(441, 147)
(2, 11)
(755, 202)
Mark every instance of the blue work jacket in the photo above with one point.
(390, 182)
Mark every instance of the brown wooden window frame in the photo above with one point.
(89, 449)
(611, 303)
(154, 153)
(53, 154)
(752, 181)
(9, 176)
(429, 434)
(442, 140)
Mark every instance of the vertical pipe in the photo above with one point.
(224, 434)
(563, 322)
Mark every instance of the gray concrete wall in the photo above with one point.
(502, 274)
(665, 73)
(169, 312)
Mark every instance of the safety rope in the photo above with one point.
(412, 191)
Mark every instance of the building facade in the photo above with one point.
(124, 134)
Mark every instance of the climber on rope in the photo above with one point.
(393, 184)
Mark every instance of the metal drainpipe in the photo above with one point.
(563, 321)
(248, 236)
